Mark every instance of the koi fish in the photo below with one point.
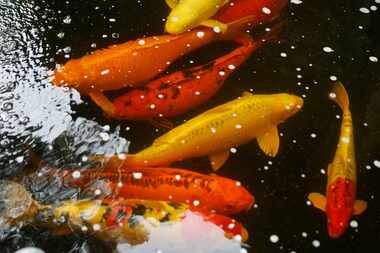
(113, 221)
(180, 91)
(339, 203)
(187, 14)
(200, 191)
(120, 66)
(264, 10)
(214, 132)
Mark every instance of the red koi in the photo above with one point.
(180, 91)
(201, 192)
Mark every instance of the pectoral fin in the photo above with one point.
(359, 207)
(103, 102)
(269, 142)
(172, 3)
(318, 200)
(246, 94)
(217, 160)
(214, 24)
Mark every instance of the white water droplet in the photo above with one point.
(328, 49)
(316, 243)
(266, 10)
(296, 1)
(137, 175)
(274, 238)
(376, 163)
(364, 10)
(105, 72)
(200, 34)
(217, 29)
(354, 224)
(373, 59)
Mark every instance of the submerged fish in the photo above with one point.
(214, 132)
(113, 221)
(201, 192)
(187, 14)
(180, 91)
(340, 202)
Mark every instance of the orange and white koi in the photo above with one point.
(340, 202)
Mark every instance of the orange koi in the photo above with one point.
(340, 202)
(201, 192)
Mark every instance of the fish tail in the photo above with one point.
(237, 29)
(273, 35)
(339, 96)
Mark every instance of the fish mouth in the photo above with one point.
(298, 103)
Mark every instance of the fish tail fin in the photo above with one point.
(273, 35)
(237, 29)
(339, 96)
(115, 162)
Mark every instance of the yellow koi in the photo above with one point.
(187, 14)
(340, 202)
(214, 132)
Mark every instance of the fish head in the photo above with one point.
(232, 196)
(339, 207)
(71, 75)
(285, 106)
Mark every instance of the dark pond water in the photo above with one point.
(325, 40)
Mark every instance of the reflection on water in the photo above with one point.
(31, 110)
(192, 234)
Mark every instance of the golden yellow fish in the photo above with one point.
(187, 14)
(214, 132)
